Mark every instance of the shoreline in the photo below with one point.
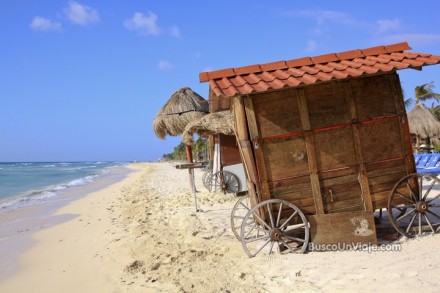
(17, 227)
(141, 234)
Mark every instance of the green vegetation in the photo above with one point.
(199, 149)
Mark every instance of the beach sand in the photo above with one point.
(142, 235)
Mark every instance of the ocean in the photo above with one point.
(27, 184)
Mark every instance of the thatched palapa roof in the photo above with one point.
(214, 123)
(422, 122)
(184, 106)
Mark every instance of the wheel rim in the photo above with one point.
(239, 211)
(419, 194)
(286, 229)
(206, 178)
(225, 182)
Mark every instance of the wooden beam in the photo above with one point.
(258, 147)
(363, 178)
(311, 152)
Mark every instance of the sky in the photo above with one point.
(83, 80)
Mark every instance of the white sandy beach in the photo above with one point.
(143, 235)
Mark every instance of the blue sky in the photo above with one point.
(83, 80)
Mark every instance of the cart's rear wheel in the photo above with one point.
(206, 178)
(224, 181)
(239, 211)
(419, 194)
(285, 228)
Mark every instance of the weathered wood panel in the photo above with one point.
(285, 157)
(277, 113)
(326, 105)
(381, 140)
(335, 148)
(345, 227)
(373, 96)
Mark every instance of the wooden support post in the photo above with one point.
(311, 152)
(258, 148)
(362, 172)
(241, 132)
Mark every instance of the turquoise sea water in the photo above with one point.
(26, 184)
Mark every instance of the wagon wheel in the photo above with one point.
(290, 231)
(224, 181)
(419, 194)
(239, 211)
(206, 178)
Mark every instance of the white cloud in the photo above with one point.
(175, 32)
(322, 16)
(384, 25)
(312, 45)
(43, 24)
(81, 14)
(144, 24)
(165, 65)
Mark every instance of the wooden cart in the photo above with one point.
(225, 173)
(325, 142)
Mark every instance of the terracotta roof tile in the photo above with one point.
(325, 58)
(350, 54)
(398, 47)
(308, 70)
(299, 62)
(251, 78)
(369, 69)
(248, 69)
(266, 76)
(375, 51)
(273, 66)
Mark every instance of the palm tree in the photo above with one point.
(425, 92)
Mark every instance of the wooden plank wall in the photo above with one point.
(331, 147)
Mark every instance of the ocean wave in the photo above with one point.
(35, 196)
(49, 166)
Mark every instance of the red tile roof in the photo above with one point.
(303, 71)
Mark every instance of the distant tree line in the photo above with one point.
(199, 149)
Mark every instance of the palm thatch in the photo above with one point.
(184, 106)
(422, 122)
(214, 123)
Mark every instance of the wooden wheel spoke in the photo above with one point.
(245, 206)
(271, 247)
(261, 248)
(434, 198)
(257, 216)
(413, 194)
(250, 240)
(404, 197)
(434, 214)
(287, 246)
(269, 210)
(420, 223)
(294, 238)
(410, 223)
(279, 215)
(405, 215)
(428, 190)
(429, 223)
(288, 220)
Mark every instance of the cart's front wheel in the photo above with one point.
(419, 196)
(241, 208)
(224, 181)
(275, 224)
